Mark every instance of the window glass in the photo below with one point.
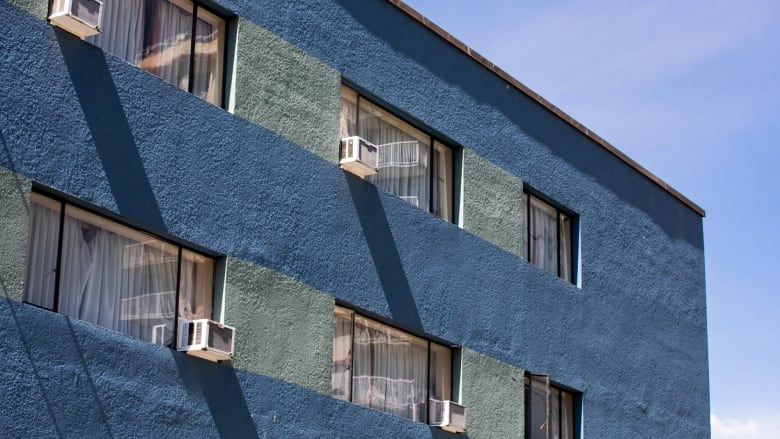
(403, 159)
(390, 370)
(549, 237)
(441, 205)
(342, 355)
(113, 275)
(567, 415)
(410, 165)
(549, 409)
(382, 367)
(538, 427)
(543, 239)
(565, 249)
(156, 35)
(41, 270)
(441, 372)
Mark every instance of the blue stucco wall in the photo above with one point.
(88, 124)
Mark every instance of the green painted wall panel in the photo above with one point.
(492, 203)
(14, 208)
(493, 393)
(38, 8)
(286, 90)
(284, 328)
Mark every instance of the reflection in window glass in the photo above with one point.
(548, 233)
(382, 367)
(112, 275)
(156, 35)
(411, 165)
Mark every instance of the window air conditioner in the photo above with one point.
(79, 17)
(358, 156)
(206, 339)
(448, 415)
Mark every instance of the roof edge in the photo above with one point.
(545, 103)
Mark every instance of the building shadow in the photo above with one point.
(110, 130)
(384, 252)
(223, 394)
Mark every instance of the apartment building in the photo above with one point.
(324, 218)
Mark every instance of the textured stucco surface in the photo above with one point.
(494, 394)
(287, 90)
(285, 327)
(69, 379)
(38, 8)
(492, 203)
(14, 208)
(88, 124)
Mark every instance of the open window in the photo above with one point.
(92, 268)
(410, 163)
(379, 366)
(549, 409)
(180, 41)
(548, 231)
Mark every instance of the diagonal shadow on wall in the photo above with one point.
(384, 252)
(110, 130)
(222, 391)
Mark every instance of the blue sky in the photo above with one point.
(690, 90)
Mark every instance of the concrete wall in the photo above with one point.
(88, 124)
(14, 213)
(287, 90)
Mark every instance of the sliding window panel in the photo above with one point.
(442, 182)
(41, 270)
(403, 154)
(342, 355)
(441, 372)
(117, 277)
(390, 370)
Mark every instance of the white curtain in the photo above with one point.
(122, 30)
(543, 237)
(342, 357)
(389, 370)
(41, 270)
(118, 282)
(112, 275)
(152, 34)
(403, 155)
(566, 246)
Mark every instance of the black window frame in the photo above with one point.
(560, 211)
(229, 40)
(576, 405)
(455, 350)
(64, 200)
(455, 151)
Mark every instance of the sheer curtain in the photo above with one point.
(564, 226)
(389, 370)
(543, 223)
(403, 154)
(112, 275)
(117, 280)
(41, 270)
(122, 30)
(156, 35)
(342, 354)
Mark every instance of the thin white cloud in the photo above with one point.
(732, 428)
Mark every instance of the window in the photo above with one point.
(382, 367)
(412, 165)
(548, 233)
(91, 268)
(549, 409)
(157, 35)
